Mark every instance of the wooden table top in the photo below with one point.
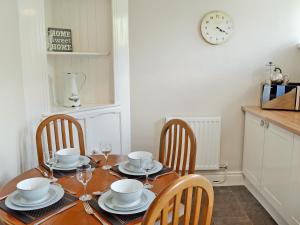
(289, 120)
(101, 180)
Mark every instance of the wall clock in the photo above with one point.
(216, 27)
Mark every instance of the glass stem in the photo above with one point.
(51, 172)
(84, 189)
(147, 182)
(106, 160)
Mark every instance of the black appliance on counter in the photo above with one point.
(283, 97)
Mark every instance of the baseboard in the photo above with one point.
(275, 215)
(231, 178)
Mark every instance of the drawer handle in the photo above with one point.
(262, 123)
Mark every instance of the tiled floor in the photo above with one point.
(235, 205)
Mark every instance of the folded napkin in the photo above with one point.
(33, 215)
(164, 170)
(116, 219)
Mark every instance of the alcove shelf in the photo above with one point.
(79, 53)
(91, 24)
(101, 52)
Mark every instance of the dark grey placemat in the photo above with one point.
(33, 215)
(151, 177)
(65, 173)
(115, 219)
(61, 173)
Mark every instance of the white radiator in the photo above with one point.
(208, 135)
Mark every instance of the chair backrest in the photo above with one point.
(51, 125)
(178, 146)
(168, 202)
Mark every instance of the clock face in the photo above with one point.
(216, 27)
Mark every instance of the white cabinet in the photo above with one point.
(277, 167)
(101, 125)
(253, 149)
(271, 163)
(104, 128)
(294, 191)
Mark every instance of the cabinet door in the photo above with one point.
(253, 149)
(294, 200)
(104, 128)
(277, 167)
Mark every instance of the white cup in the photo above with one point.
(34, 189)
(68, 156)
(140, 159)
(126, 191)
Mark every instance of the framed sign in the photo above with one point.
(59, 40)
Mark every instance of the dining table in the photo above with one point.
(101, 181)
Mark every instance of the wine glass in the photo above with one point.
(93, 153)
(147, 167)
(106, 150)
(51, 161)
(84, 175)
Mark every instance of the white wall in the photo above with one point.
(34, 72)
(12, 109)
(174, 72)
(121, 67)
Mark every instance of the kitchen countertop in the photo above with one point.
(289, 120)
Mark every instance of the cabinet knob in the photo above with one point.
(262, 123)
(267, 124)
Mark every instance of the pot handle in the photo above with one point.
(278, 69)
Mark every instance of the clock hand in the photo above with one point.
(218, 28)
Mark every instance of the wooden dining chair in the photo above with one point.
(165, 209)
(61, 127)
(178, 146)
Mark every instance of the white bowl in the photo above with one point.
(34, 189)
(68, 156)
(140, 159)
(126, 191)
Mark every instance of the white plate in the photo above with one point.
(18, 200)
(132, 168)
(123, 167)
(61, 165)
(103, 198)
(136, 205)
(58, 192)
(82, 160)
